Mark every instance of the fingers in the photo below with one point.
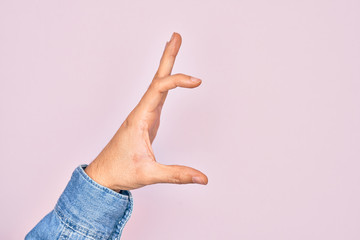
(168, 58)
(159, 86)
(156, 94)
(177, 174)
(173, 81)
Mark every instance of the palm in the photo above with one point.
(147, 124)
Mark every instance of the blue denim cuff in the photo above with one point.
(92, 209)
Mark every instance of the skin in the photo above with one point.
(128, 162)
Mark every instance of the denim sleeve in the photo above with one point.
(85, 210)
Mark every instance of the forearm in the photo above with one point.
(85, 210)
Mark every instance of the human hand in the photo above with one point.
(128, 162)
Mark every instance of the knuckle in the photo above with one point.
(128, 122)
(176, 178)
(173, 81)
(133, 120)
(156, 85)
(156, 74)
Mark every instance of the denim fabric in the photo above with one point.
(85, 210)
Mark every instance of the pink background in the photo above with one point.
(274, 125)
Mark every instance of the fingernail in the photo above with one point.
(198, 180)
(196, 80)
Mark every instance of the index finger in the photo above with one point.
(168, 58)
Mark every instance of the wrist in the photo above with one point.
(97, 175)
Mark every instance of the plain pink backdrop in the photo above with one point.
(274, 124)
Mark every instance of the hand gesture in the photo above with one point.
(128, 162)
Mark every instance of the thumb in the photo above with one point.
(178, 174)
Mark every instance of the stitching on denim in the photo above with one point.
(66, 233)
(62, 233)
(60, 211)
(116, 234)
(84, 231)
(63, 227)
(95, 184)
(78, 228)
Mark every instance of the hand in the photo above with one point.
(128, 162)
